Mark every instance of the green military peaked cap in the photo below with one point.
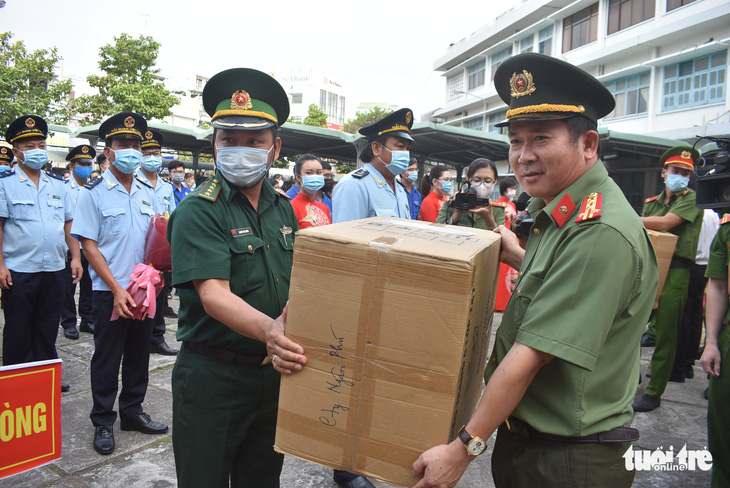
(245, 99)
(540, 87)
(84, 151)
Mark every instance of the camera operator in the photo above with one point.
(481, 176)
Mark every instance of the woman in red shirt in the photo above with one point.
(435, 189)
(309, 212)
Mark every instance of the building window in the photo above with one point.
(580, 28)
(341, 118)
(332, 103)
(625, 13)
(496, 118)
(475, 75)
(499, 57)
(672, 4)
(323, 100)
(631, 94)
(474, 124)
(695, 82)
(456, 85)
(296, 98)
(526, 44)
(545, 41)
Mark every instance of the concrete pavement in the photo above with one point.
(142, 461)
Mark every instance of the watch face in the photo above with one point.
(476, 446)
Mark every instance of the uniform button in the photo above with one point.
(494, 360)
(536, 230)
(250, 247)
(277, 281)
(267, 247)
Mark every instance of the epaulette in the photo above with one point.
(145, 183)
(651, 199)
(591, 207)
(210, 189)
(686, 190)
(360, 173)
(725, 219)
(54, 175)
(7, 173)
(498, 204)
(93, 182)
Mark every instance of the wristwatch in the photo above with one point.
(474, 445)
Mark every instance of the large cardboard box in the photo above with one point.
(395, 318)
(664, 244)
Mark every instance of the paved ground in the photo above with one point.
(142, 461)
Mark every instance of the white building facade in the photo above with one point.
(305, 88)
(665, 61)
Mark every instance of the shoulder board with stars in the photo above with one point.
(7, 173)
(651, 199)
(54, 175)
(724, 220)
(360, 173)
(210, 189)
(93, 182)
(145, 182)
(498, 204)
(686, 190)
(590, 208)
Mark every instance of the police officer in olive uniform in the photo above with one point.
(232, 247)
(6, 158)
(566, 356)
(151, 163)
(114, 213)
(673, 210)
(81, 159)
(717, 350)
(371, 190)
(35, 216)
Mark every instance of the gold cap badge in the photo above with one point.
(409, 116)
(521, 84)
(686, 155)
(129, 122)
(241, 100)
(29, 123)
(85, 150)
(148, 135)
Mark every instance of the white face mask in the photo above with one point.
(242, 166)
(511, 194)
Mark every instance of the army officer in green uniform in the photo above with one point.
(566, 356)
(717, 349)
(673, 210)
(232, 244)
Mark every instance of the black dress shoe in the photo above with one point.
(646, 404)
(689, 372)
(706, 393)
(87, 326)
(647, 341)
(163, 348)
(104, 439)
(71, 333)
(143, 423)
(65, 387)
(169, 313)
(358, 482)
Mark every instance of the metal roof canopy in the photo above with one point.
(625, 144)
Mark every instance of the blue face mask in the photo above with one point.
(412, 176)
(676, 182)
(312, 183)
(127, 160)
(151, 163)
(4, 168)
(399, 161)
(446, 187)
(83, 172)
(35, 158)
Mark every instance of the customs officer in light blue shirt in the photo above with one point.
(35, 218)
(114, 212)
(80, 164)
(151, 162)
(6, 158)
(371, 190)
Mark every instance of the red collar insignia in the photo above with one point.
(563, 210)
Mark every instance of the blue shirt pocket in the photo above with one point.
(55, 206)
(24, 210)
(112, 220)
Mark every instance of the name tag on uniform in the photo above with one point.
(146, 203)
(56, 197)
(241, 232)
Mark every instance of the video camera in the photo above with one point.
(713, 189)
(470, 197)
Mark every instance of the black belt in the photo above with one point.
(229, 356)
(679, 263)
(619, 434)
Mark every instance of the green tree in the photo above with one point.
(315, 117)
(365, 118)
(131, 82)
(27, 84)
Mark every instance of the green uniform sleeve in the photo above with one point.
(569, 312)
(499, 215)
(444, 213)
(719, 256)
(685, 207)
